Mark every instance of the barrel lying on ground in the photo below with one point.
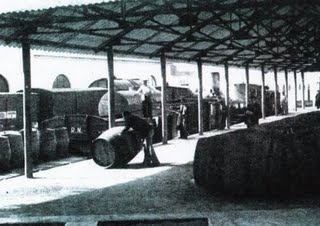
(280, 158)
(113, 149)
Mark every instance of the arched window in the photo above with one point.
(4, 87)
(61, 81)
(99, 83)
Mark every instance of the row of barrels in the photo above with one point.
(278, 158)
(47, 144)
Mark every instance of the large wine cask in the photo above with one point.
(281, 158)
(113, 149)
(62, 139)
(16, 146)
(35, 144)
(48, 144)
(5, 154)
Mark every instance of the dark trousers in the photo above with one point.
(147, 108)
(150, 157)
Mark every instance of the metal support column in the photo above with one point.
(27, 124)
(247, 85)
(287, 90)
(263, 93)
(303, 90)
(163, 99)
(275, 92)
(295, 90)
(200, 111)
(111, 94)
(226, 68)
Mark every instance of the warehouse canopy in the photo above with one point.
(269, 33)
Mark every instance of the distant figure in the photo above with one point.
(214, 111)
(284, 104)
(145, 93)
(318, 100)
(182, 119)
(145, 131)
(222, 114)
(253, 112)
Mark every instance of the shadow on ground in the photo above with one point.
(168, 192)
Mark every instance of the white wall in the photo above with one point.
(82, 70)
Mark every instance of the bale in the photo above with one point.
(88, 100)
(96, 126)
(54, 122)
(5, 154)
(63, 101)
(62, 139)
(16, 146)
(113, 149)
(35, 144)
(77, 126)
(48, 144)
(11, 105)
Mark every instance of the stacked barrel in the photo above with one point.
(12, 152)
(278, 158)
(54, 139)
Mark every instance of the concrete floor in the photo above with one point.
(82, 193)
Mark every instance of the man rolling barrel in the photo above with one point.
(145, 131)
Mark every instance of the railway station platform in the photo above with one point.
(76, 191)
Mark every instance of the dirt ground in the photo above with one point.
(83, 193)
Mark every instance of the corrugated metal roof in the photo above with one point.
(7, 6)
(278, 33)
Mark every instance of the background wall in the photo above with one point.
(82, 70)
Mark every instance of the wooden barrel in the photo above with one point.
(16, 146)
(5, 154)
(113, 149)
(260, 161)
(62, 138)
(35, 144)
(48, 144)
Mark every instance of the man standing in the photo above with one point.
(253, 112)
(318, 100)
(145, 93)
(145, 131)
(182, 119)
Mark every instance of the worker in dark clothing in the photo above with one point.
(145, 131)
(318, 100)
(182, 119)
(222, 116)
(253, 112)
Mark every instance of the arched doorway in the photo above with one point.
(61, 81)
(4, 86)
